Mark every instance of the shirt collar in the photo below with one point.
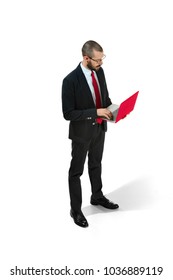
(85, 70)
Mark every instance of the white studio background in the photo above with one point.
(41, 43)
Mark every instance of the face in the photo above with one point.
(94, 62)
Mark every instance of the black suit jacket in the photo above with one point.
(78, 105)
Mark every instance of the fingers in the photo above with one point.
(108, 114)
(103, 112)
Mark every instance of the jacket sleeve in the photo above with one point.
(69, 104)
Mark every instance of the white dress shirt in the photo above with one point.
(87, 73)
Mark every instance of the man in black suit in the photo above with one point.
(84, 100)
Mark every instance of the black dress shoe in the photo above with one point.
(79, 218)
(103, 201)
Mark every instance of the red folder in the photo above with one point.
(120, 111)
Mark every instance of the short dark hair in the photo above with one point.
(89, 46)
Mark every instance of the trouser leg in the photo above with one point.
(79, 152)
(94, 163)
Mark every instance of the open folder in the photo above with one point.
(120, 111)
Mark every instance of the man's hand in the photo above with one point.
(103, 112)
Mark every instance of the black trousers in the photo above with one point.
(94, 150)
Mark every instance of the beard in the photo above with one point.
(91, 67)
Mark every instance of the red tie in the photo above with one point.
(97, 95)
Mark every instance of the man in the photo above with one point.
(84, 101)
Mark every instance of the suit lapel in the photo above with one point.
(84, 85)
(101, 83)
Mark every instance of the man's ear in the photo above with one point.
(85, 57)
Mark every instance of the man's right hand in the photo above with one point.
(103, 112)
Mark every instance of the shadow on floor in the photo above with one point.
(135, 195)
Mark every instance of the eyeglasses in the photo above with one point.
(97, 60)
